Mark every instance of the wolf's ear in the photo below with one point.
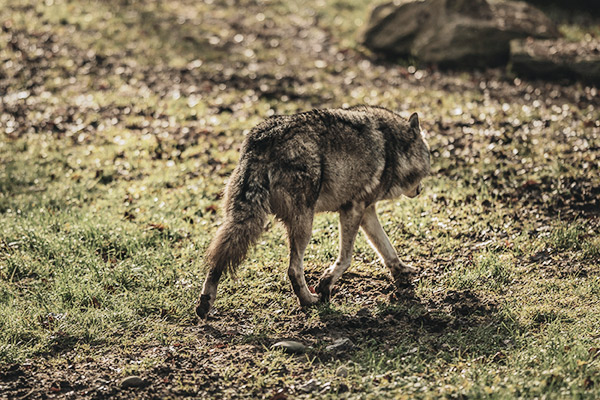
(414, 122)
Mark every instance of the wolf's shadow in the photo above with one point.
(451, 321)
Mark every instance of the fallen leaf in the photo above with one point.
(159, 227)
(280, 395)
(212, 209)
(95, 302)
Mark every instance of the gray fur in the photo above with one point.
(342, 160)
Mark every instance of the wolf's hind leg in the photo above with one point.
(209, 292)
(299, 230)
(381, 244)
(350, 218)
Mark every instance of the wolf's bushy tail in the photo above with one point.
(246, 211)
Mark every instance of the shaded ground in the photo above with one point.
(120, 124)
(186, 369)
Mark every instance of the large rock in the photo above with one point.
(454, 32)
(556, 59)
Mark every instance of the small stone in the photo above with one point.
(340, 344)
(290, 346)
(132, 381)
(343, 388)
(342, 372)
(309, 386)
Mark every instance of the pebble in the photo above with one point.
(343, 388)
(290, 346)
(342, 372)
(309, 386)
(340, 344)
(132, 381)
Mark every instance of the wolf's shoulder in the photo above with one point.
(278, 125)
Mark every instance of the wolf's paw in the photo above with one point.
(403, 275)
(403, 280)
(406, 269)
(309, 300)
(411, 270)
(204, 307)
(324, 289)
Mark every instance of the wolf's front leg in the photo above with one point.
(401, 273)
(299, 232)
(349, 222)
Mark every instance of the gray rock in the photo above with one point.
(309, 386)
(290, 346)
(454, 32)
(556, 59)
(342, 372)
(132, 381)
(340, 345)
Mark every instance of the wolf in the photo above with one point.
(341, 160)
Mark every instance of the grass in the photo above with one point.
(489, 270)
(119, 126)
